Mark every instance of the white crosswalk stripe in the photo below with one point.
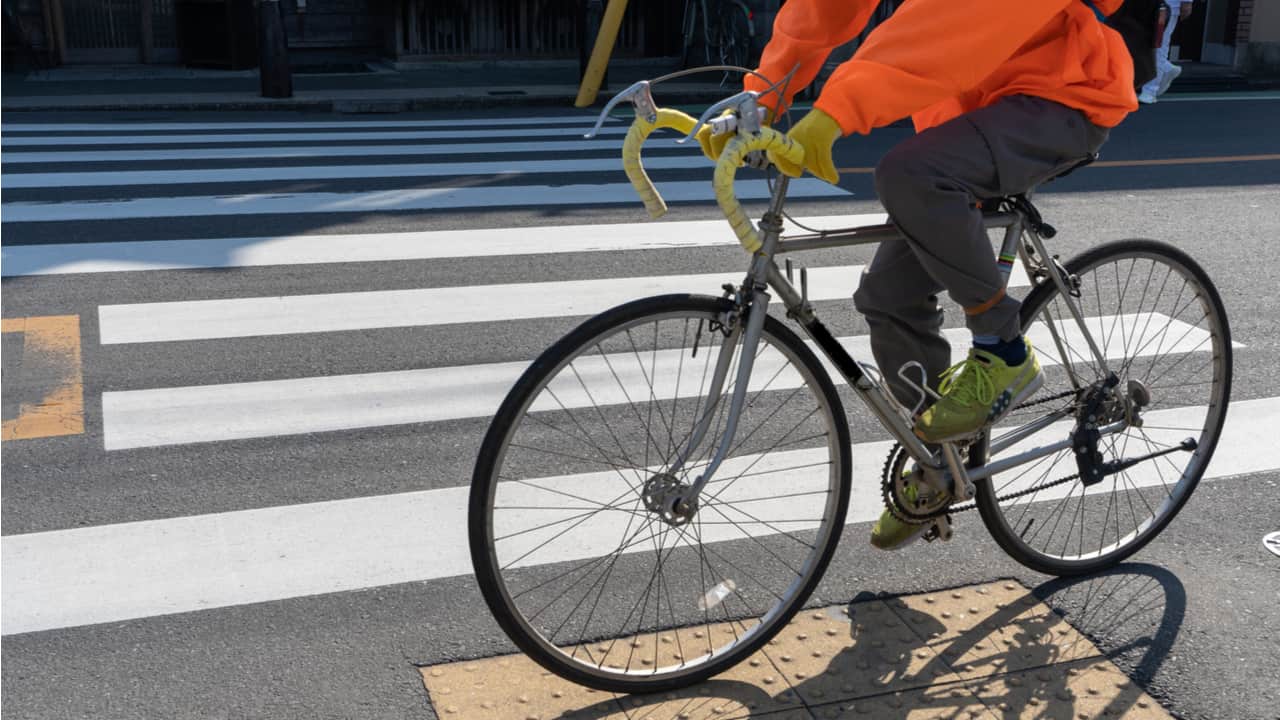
(577, 120)
(242, 138)
(139, 569)
(329, 172)
(167, 416)
(329, 312)
(445, 198)
(313, 151)
(123, 256)
(133, 569)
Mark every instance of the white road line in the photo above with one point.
(112, 178)
(318, 151)
(584, 121)
(329, 312)
(238, 138)
(109, 573)
(373, 247)
(443, 198)
(1219, 97)
(237, 411)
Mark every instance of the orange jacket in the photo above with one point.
(936, 59)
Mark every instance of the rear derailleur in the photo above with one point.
(1102, 404)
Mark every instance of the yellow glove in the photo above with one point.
(816, 132)
(713, 145)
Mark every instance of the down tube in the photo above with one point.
(871, 393)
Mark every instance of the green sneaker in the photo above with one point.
(976, 393)
(890, 533)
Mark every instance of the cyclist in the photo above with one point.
(1004, 94)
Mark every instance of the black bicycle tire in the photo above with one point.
(740, 32)
(490, 451)
(988, 505)
(687, 22)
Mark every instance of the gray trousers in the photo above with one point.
(929, 184)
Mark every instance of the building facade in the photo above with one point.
(334, 33)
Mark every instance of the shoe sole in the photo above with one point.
(1164, 85)
(909, 540)
(1032, 388)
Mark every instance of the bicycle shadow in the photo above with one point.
(1044, 652)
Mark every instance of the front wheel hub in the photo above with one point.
(664, 494)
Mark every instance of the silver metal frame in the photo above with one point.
(754, 300)
(1021, 239)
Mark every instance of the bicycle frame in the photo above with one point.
(1022, 237)
(764, 274)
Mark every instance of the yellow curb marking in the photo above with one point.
(1140, 163)
(986, 651)
(54, 340)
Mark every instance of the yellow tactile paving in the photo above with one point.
(1085, 689)
(50, 355)
(995, 627)
(951, 703)
(856, 651)
(987, 652)
(752, 688)
(512, 686)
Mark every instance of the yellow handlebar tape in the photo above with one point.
(731, 157)
(640, 130)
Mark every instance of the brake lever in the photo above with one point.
(748, 113)
(641, 97)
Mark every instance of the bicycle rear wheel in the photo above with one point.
(576, 568)
(1157, 318)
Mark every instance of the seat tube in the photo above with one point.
(1060, 280)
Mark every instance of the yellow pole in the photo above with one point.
(600, 53)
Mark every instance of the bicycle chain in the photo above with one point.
(890, 497)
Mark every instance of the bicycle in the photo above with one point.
(664, 487)
(729, 30)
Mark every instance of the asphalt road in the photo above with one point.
(312, 212)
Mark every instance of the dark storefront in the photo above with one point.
(341, 33)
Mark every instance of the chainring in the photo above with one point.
(891, 489)
(891, 477)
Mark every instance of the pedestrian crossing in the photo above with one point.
(278, 553)
(188, 176)
(235, 411)
(137, 566)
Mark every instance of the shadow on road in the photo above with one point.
(1044, 653)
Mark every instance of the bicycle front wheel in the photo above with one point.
(577, 568)
(1158, 320)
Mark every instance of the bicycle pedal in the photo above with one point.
(939, 529)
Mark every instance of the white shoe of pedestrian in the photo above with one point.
(1146, 98)
(1168, 79)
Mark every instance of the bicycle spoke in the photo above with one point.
(611, 416)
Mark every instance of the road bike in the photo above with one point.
(664, 486)
(728, 31)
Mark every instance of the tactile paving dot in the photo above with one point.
(934, 655)
(950, 702)
(995, 627)
(514, 687)
(870, 652)
(1093, 689)
(752, 688)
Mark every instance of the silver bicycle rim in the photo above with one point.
(1156, 325)
(678, 619)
